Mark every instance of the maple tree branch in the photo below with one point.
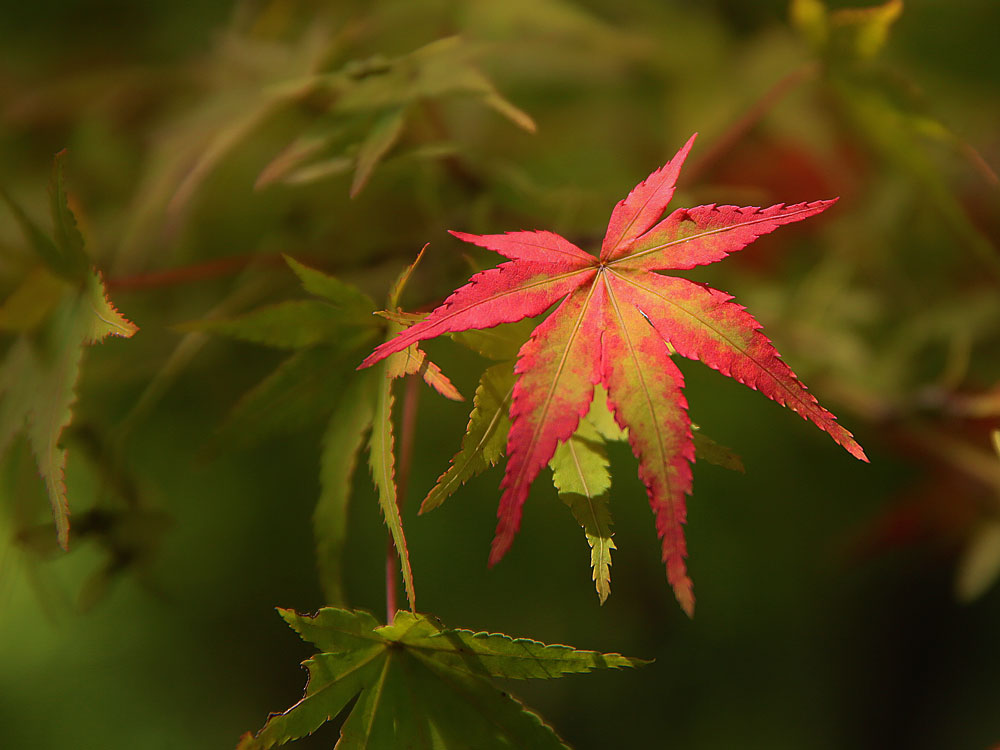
(411, 399)
(741, 126)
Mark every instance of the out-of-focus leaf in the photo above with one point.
(287, 325)
(39, 371)
(247, 79)
(847, 34)
(810, 18)
(345, 296)
(382, 93)
(300, 391)
(882, 109)
(979, 566)
(291, 157)
(66, 235)
(421, 684)
(63, 253)
(706, 449)
(376, 145)
(350, 420)
(442, 68)
(30, 304)
(862, 32)
(897, 135)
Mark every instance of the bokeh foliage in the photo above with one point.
(839, 604)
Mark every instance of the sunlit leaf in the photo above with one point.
(612, 325)
(580, 474)
(485, 437)
(420, 684)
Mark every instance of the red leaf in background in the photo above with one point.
(615, 324)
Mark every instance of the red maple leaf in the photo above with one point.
(615, 325)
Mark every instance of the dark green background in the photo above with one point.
(804, 637)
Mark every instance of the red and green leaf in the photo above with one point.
(616, 324)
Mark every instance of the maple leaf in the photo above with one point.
(616, 324)
(59, 308)
(419, 684)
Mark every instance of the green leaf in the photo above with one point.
(300, 391)
(420, 684)
(862, 32)
(290, 157)
(898, 135)
(811, 19)
(40, 368)
(31, 302)
(247, 79)
(979, 566)
(40, 243)
(500, 343)
(602, 419)
(580, 474)
(345, 296)
(376, 145)
(64, 255)
(287, 325)
(706, 449)
(67, 237)
(485, 438)
(351, 419)
(382, 461)
(580, 465)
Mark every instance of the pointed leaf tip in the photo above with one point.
(643, 206)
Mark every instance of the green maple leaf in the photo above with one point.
(57, 310)
(325, 336)
(384, 94)
(420, 685)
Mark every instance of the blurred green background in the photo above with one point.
(839, 604)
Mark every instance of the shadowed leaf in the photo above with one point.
(421, 685)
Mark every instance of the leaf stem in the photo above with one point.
(411, 399)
